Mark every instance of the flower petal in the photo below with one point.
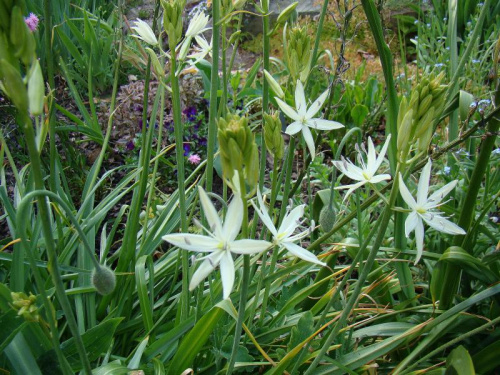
(293, 128)
(441, 224)
(300, 99)
(233, 219)
(411, 223)
(351, 189)
(316, 106)
(264, 215)
(371, 155)
(227, 274)
(381, 156)
(423, 184)
(210, 213)
(207, 266)
(306, 133)
(419, 238)
(193, 242)
(438, 195)
(349, 169)
(405, 193)
(379, 178)
(248, 247)
(320, 124)
(289, 111)
(302, 253)
(291, 222)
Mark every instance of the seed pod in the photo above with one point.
(104, 280)
(327, 218)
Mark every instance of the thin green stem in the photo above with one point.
(179, 152)
(244, 282)
(214, 85)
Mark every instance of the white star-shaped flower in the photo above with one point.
(283, 236)
(367, 173)
(219, 244)
(303, 117)
(423, 209)
(144, 32)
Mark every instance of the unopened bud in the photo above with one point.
(272, 135)
(104, 280)
(275, 86)
(13, 86)
(36, 90)
(172, 19)
(285, 13)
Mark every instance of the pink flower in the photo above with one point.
(32, 21)
(194, 159)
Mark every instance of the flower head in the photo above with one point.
(219, 243)
(304, 117)
(423, 209)
(32, 22)
(194, 159)
(197, 25)
(144, 32)
(283, 236)
(365, 174)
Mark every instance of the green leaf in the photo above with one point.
(459, 362)
(194, 341)
(359, 113)
(96, 341)
(304, 329)
(114, 368)
(487, 359)
(11, 324)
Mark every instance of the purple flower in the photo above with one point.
(190, 113)
(187, 148)
(194, 159)
(130, 145)
(32, 22)
(138, 108)
(203, 141)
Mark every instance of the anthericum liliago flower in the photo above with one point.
(283, 236)
(365, 174)
(219, 243)
(423, 209)
(304, 117)
(144, 32)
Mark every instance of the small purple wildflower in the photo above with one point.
(190, 113)
(187, 149)
(130, 145)
(32, 22)
(194, 159)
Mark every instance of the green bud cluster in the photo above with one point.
(272, 135)
(172, 19)
(25, 306)
(416, 116)
(17, 45)
(298, 53)
(238, 150)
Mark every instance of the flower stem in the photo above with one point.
(244, 282)
(214, 85)
(179, 152)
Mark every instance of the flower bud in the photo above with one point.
(158, 69)
(13, 86)
(327, 218)
(21, 38)
(275, 86)
(104, 280)
(298, 53)
(36, 90)
(285, 13)
(238, 150)
(25, 306)
(172, 19)
(272, 135)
